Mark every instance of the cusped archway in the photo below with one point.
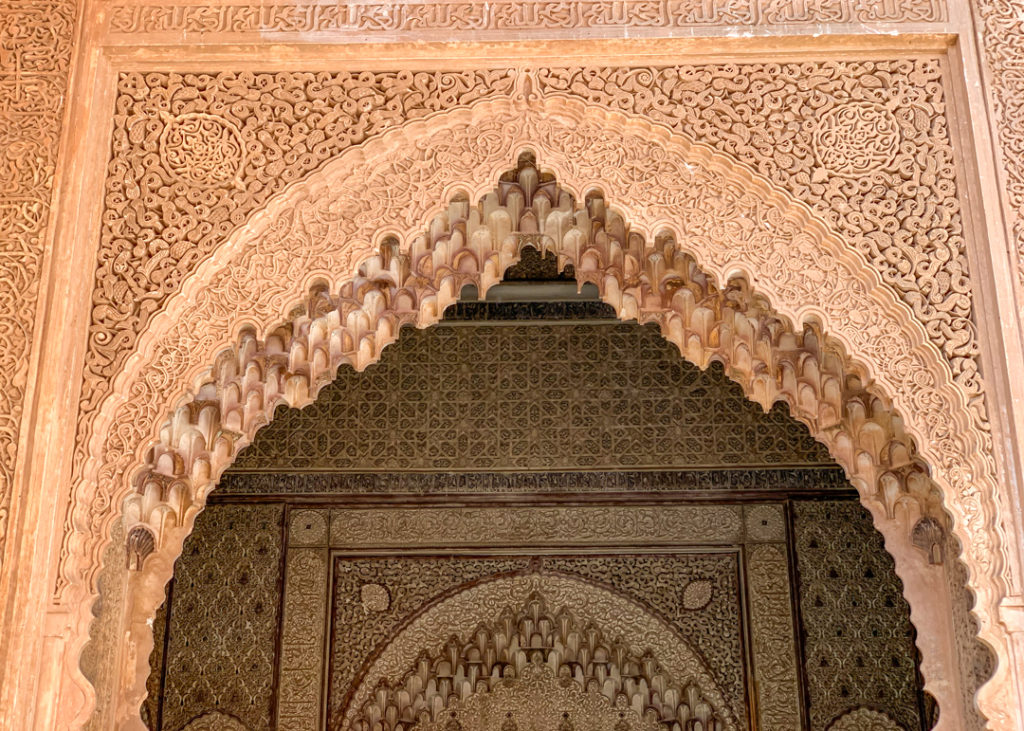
(484, 638)
(669, 230)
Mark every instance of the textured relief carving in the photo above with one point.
(35, 60)
(697, 594)
(553, 397)
(864, 719)
(536, 636)
(416, 582)
(374, 597)
(223, 620)
(858, 640)
(516, 605)
(481, 526)
(765, 523)
(215, 722)
(534, 15)
(202, 149)
(1001, 23)
(772, 632)
(302, 640)
(307, 528)
(420, 483)
(856, 138)
(292, 123)
(536, 699)
(723, 209)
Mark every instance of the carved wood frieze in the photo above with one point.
(35, 60)
(448, 17)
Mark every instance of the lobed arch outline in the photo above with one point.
(573, 603)
(342, 259)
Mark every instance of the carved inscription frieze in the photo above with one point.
(537, 526)
(35, 60)
(446, 17)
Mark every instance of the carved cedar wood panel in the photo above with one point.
(858, 650)
(223, 621)
(539, 397)
(858, 640)
(35, 59)
(865, 144)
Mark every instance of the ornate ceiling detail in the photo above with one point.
(552, 621)
(680, 196)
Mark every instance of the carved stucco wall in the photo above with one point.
(1001, 25)
(36, 45)
(865, 144)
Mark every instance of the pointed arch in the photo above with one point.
(668, 230)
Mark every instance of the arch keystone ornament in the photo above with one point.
(668, 229)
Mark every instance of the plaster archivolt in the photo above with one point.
(865, 144)
(348, 243)
(573, 613)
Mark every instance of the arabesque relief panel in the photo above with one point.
(36, 46)
(866, 144)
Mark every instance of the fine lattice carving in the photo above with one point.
(223, 619)
(35, 60)
(425, 483)
(553, 397)
(449, 17)
(202, 149)
(858, 651)
(731, 218)
(864, 719)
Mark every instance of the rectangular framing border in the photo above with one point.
(756, 533)
(41, 491)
